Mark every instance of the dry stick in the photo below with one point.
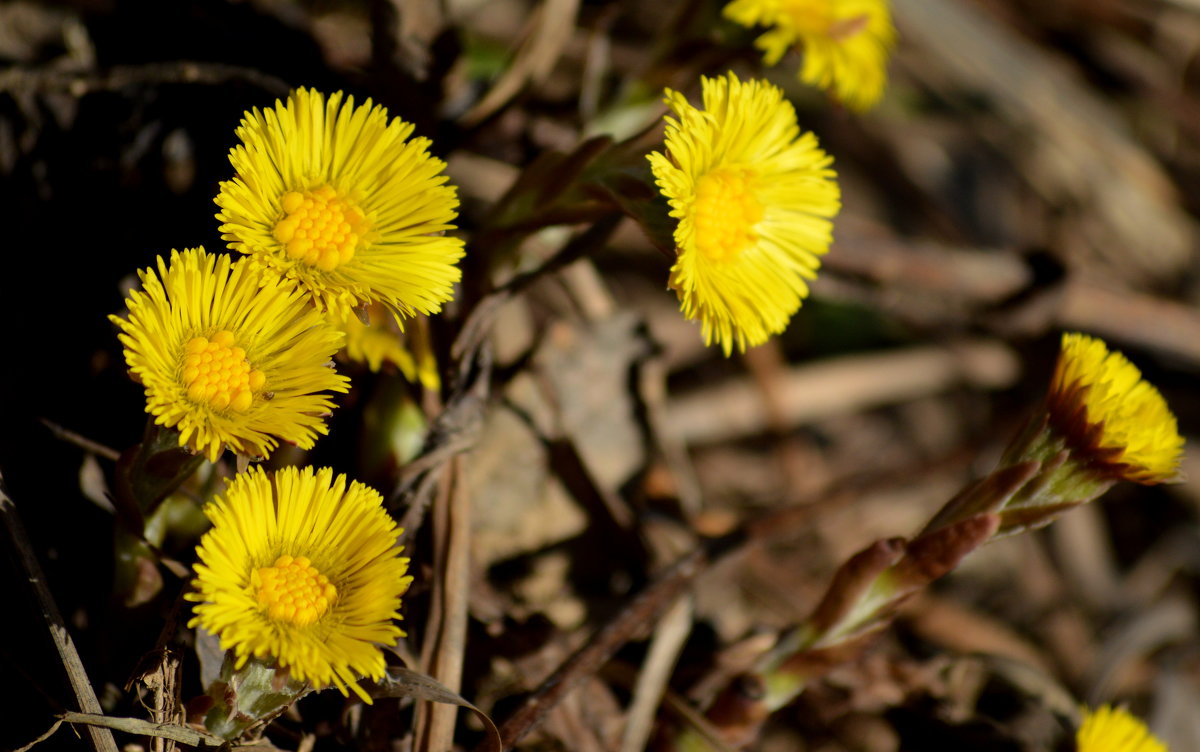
(644, 608)
(673, 703)
(452, 530)
(78, 83)
(49, 733)
(668, 640)
(1136, 318)
(139, 727)
(836, 386)
(83, 442)
(161, 671)
(102, 739)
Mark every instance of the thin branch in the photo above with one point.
(102, 739)
(83, 442)
(669, 638)
(57, 725)
(139, 727)
(79, 83)
(447, 633)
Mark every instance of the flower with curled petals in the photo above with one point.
(1110, 416)
(1101, 423)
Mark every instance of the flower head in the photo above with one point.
(1109, 729)
(845, 42)
(225, 361)
(339, 200)
(302, 569)
(1109, 415)
(754, 198)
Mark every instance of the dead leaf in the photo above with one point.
(403, 682)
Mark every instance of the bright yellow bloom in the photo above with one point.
(302, 569)
(379, 342)
(228, 362)
(1109, 729)
(1121, 423)
(845, 43)
(340, 201)
(754, 198)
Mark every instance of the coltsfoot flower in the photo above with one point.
(1110, 417)
(302, 569)
(1108, 729)
(1101, 423)
(339, 200)
(754, 198)
(225, 361)
(845, 43)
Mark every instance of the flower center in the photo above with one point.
(320, 228)
(293, 590)
(217, 372)
(725, 213)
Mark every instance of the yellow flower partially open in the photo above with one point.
(754, 198)
(301, 568)
(1110, 415)
(845, 43)
(339, 200)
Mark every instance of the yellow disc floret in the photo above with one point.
(320, 228)
(725, 213)
(216, 373)
(1121, 413)
(293, 590)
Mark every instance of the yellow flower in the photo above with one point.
(228, 362)
(377, 343)
(340, 201)
(302, 569)
(1109, 729)
(1117, 421)
(845, 42)
(754, 198)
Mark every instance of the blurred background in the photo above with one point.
(1033, 168)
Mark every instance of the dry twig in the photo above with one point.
(102, 739)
